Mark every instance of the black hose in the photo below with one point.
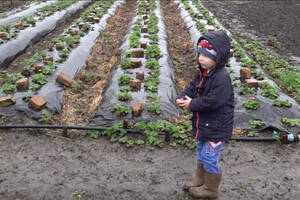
(257, 139)
(118, 129)
(65, 126)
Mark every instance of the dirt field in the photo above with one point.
(261, 20)
(36, 165)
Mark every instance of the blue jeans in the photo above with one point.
(208, 155)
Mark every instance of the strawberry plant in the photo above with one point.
(134, 39)
(264, 85)
(152, 83)
(258, 75)
(247, 90)
(136, 27)
(125, 64)
(27, 96)
(29, 19)
(154, 39)
(123, 140)
(124, 88)
(8, 88)
(282, 103)
(152, 63)
(248, 63)
(154, 108)
(124, 79)
(34, 87)
(253, 134)
(152, 5)
(120, 110)
(93, 133)
(270, 93)
(46, 118)
(237, 83)
(251, 104)
(129, 143)
(39, 79)
(229, 70)
(291, 122)
(140, 142)
(239, 53)
(153, 51)
(141, 7)
(152, 97)
(63, 53)
(10, 77)
(124, 96)
(48, 68)
(256, 123)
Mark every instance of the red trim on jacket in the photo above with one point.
(198, 95)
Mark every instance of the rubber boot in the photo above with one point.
(199, 178)
(210, 188)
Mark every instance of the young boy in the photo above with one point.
(210, 99)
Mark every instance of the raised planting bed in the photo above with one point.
(12, 30)
(31, 35)
(31, 9)
(154, 77)
(8, 7)
(30, 65)
(81, 101)
(254, 98)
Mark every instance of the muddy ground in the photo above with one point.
(263, 21)
(36, 164)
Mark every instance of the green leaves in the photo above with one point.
(93, 133)
(256, 123)
(291, 122)
(154, 109)
(252, 104)
(152, 63)
(39, 79)
(120, 110)
(124, 79)
(124, 96)
(153, 51)
(8, 88)
(126, 64)
(247, 90)
(282, 103)
(270, 93)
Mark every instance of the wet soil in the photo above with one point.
(37, 164)
(262, 20)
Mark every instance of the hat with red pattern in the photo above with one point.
(207, 49)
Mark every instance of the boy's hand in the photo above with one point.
(185, 104)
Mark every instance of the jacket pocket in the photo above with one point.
(208, 123)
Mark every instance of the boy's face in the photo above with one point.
(206, 62)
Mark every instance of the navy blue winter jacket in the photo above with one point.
(213, 111)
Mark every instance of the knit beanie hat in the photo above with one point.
(207, 49)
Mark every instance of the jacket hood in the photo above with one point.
(221, 44)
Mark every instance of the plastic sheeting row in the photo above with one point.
(11, 49)
(166, 87)
(271, 115)
(53, 91)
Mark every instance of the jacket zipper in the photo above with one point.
(198, 95)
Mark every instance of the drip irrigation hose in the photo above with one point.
(65, 127)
